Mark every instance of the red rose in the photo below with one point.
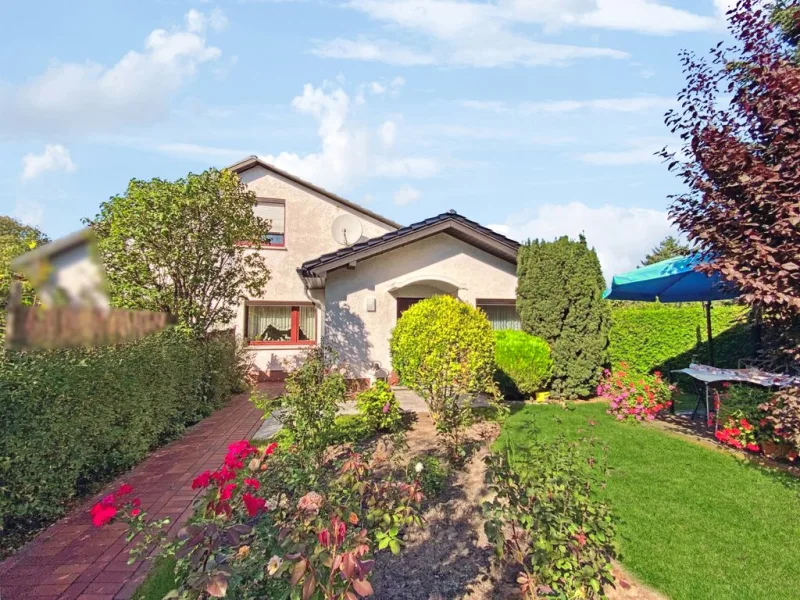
(270, 449)
(222, 508)
(124, 489)
(136, 512)
(241, 449)
(233, 462)
(102, 513)
(339, 529)
(253, 483)
(324, 537)
(223, 475)
(252, 504)
(202, 480)
(225, 493)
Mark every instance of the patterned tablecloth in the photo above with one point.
(709, 374)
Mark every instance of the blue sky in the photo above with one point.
(537, 117)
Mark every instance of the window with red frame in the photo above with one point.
(281, 324)
(275, 213)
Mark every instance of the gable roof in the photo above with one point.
(254, 161)
(452, 223)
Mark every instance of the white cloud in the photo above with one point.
(621, 235)
(372, 50)
(644, 16)
(406, 195)
(89, 97)
(723, 6)
(197, 22)
(347, 154)
(486, 34)
(462, 33)
(640, 151)
(388, 133)
(377, 88)
(633, 104)
(54, 158)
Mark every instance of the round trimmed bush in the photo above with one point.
(524, 365)
(443, 349)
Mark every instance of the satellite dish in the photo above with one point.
(346, 230)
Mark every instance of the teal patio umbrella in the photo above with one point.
(673, 280)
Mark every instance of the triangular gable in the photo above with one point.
(253, 161)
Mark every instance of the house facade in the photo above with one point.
(342, 274)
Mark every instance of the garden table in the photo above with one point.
(705, 376)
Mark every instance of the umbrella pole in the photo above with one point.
(710, 337)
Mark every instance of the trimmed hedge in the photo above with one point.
(524, 365)
(73, 419)
(649, 335)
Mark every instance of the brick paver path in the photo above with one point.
(74, 560)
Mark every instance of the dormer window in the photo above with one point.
(273, 211)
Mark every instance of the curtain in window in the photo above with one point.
(272, 212)
(269, 323)
(308, 323)
(502, 316)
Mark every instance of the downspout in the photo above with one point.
(320, 307)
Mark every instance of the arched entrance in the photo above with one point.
(410, 291)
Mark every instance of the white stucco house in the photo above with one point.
(348, 292)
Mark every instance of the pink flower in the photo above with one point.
(310, 503)
(386, 408)
(252, 504)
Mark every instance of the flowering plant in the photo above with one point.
(379, 407)
(205, 550)
(252, 535)
(738, 432)
(632, 396)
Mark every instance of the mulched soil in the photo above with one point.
(450, 557)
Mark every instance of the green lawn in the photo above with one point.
(695, 523)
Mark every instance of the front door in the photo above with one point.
(403, 304)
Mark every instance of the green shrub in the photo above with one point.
(314, 391)
(649, 335)
(73, 419)
(547, 519)
(559, 299)
(379, 407)
(523, 361)
(443, 349)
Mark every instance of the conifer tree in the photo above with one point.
(559, 298)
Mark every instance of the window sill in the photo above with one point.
(279, 345)
(262, 246)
